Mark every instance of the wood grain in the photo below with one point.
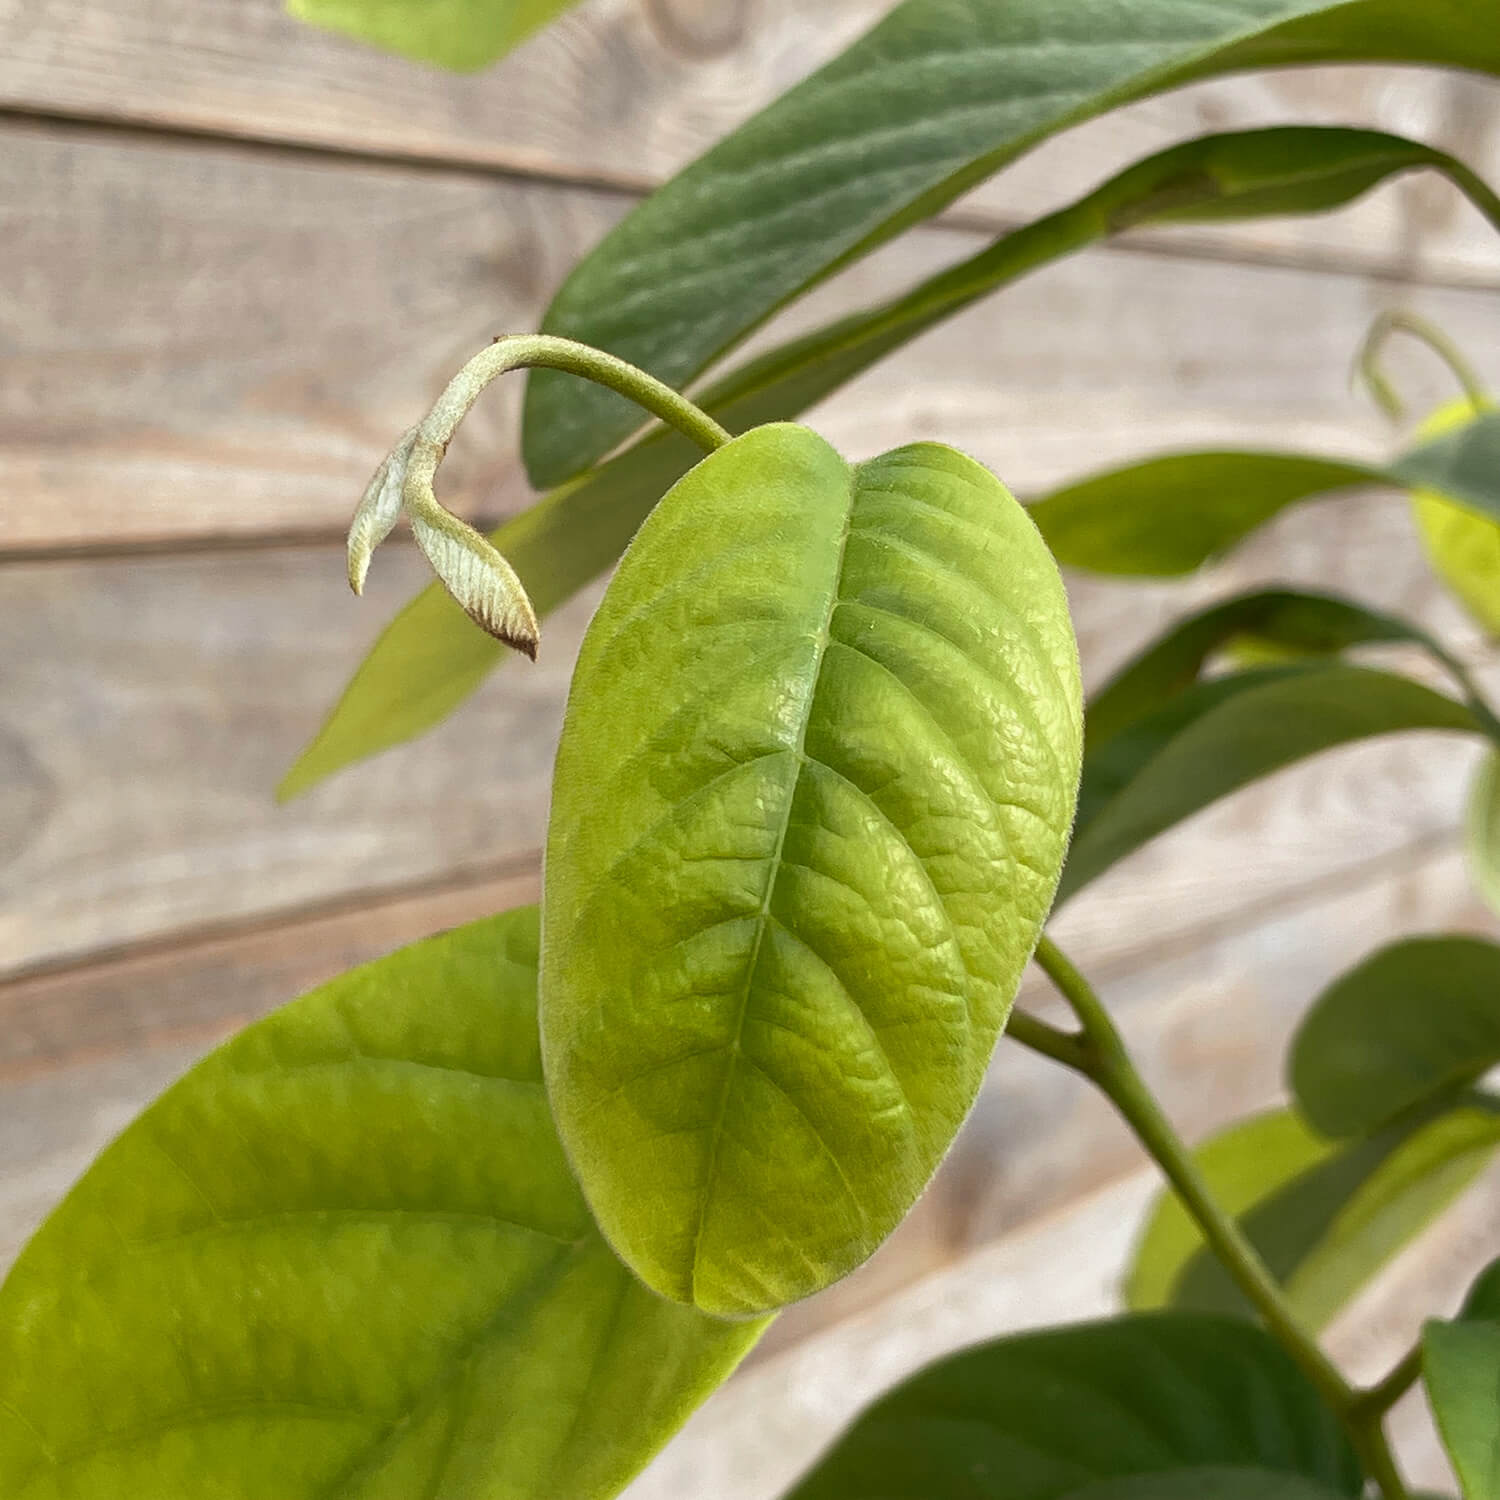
(627, 93)
(148, 707)
(221, 344)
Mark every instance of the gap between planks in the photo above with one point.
(153, 993)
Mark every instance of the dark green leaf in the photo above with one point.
(460, 34)
(1288, 620)
(431, 658)
(1325, 1217)
(939, 96)
(344, 1257)
(1206, 1484)
(1461, 1365)
(1223, 733)
(1409, 1024)
(1462, 465)
(809, 810)
(1047, 1416)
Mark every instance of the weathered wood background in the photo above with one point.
(238, 256)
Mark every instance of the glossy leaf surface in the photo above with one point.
(815, 780)
(344, 1258)
(429, 659)
(1461, 1366)
(1059, 1415)
(1326, 1217)
(939, 96)
(1412, 1022)
(1170, 514)
(1224, 733)
(460, 34)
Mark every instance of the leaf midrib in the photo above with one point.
(773, 876)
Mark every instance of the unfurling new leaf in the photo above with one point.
(815, 782)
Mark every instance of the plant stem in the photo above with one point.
(1379, 1398)
(1368, 367)
(1099, 1052)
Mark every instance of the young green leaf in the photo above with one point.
(1482, 829)
(938, 97)
(458, 34)
(1412, 1023)
(815, 781)
(1461, 1366)
(1463, 545)
(344, 1257)
(1325, 1216)
(1295, 622)
(428, 660)
(1055, 1415)
(1223, 733)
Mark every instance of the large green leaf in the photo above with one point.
(815, 781)
(344, 1258)
(1461, 1366)
(936, 98)
(1223, 733)
(461, 34)
(1290, 621)
(1215, 1483)
(431, 658)
(1050, 1415)
(1411, 1023)
(1170, 514)
(1326, 1216)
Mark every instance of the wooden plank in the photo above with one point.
(198, 989)
(203, 379)
(218, 343)
(627, 93)
(150, 705)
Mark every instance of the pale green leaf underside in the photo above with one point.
(1223, 733)
(1172, 513)
(429, 659)
(459, 34)
(1482, 829)
(1412, 1022)
(344, 1259)
(1061, 1414)
(936, 98)
(1325, 1216)
(814, 785)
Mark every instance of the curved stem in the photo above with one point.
(1104, 1059)
(524, 351)
(470, 568)
(1367, 365)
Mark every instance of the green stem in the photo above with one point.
(1098, 1052)
(1379, 1398)
(1368, 367)
(470, 568)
